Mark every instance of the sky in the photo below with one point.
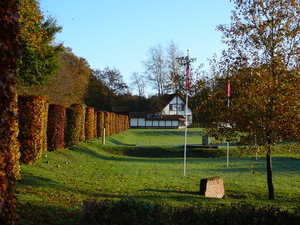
(119, 33)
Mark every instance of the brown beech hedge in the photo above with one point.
(73, 126)
(100, 123)
(82, 122)
(89, 123)
(33, 116)
(56, 127)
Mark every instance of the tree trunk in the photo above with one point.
(269, 174)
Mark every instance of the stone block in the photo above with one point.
(212, 187)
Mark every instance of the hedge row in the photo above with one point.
(134, 212)
(53, 127)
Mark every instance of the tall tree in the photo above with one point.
(39, 61)
(262, 66)
(68, 85)
(98, 95)
(113, 79)
(139, 83)
(156, 68)
(176, 71)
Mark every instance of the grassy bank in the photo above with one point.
(53, 189)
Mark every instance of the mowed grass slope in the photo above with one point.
(53, 189)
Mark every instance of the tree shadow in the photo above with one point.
(172, 191)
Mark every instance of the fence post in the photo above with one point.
(103, 137)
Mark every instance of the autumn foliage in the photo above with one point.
(100, 123)
(33, 116)
(10, 52)
(73, 126)
(56, 127)
(89, 124)
(82, 122)
(262, 66)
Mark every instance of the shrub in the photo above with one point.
(33, 116)
(95, 124)
(100, 123)
(112, 125)
(82, 123)
(133, 212)
(106, 122)
(89, 123)
(73, 126)
(56, 127)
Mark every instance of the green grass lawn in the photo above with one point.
(53, 189)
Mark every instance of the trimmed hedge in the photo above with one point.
(89, 123)
(9, 159)
(73, 126)
(100, 123)
(82, 123)
(106, 122)
(33, 118)
(133, 212)
(56, 127)
(95, 124)
(112, 123)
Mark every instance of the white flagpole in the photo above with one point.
(186, 61)
(228, 90)
(185, 134)
(186, 106)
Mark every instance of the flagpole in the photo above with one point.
(228, 91)
(185, 133)
(185, 61)
(186, 106)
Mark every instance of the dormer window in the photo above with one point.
(176, 107)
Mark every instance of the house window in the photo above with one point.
(176, 107)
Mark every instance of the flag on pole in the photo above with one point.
(188, 78)
(228, 89)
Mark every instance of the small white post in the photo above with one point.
(103, 137)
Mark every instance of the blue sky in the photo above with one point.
(119, 33)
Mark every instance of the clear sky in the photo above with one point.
(119, 33)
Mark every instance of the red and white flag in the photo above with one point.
(228, 89)
(188, 78)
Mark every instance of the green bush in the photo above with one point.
(56, 127)
(132, 212)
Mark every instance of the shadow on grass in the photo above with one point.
(152, 152)
(162, 155)
(32, 180)
(168, 133)
(173, 191)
